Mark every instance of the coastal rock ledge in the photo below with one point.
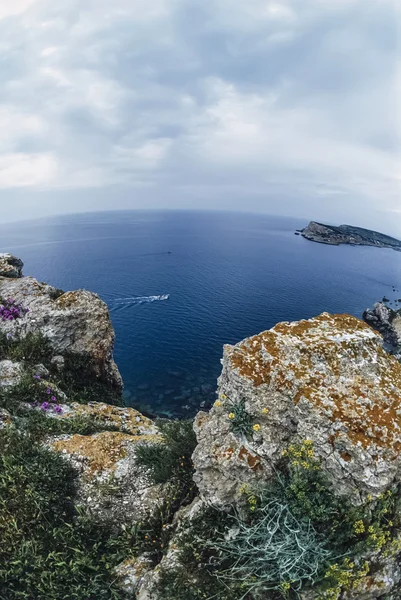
(75, 323)
(327, 380)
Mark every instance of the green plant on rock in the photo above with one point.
(33, 348)
(241, 421)
(274, 550)
(170, 460)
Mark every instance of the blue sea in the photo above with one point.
(181, 284)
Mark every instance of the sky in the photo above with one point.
(288, 107)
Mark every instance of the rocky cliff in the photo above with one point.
(293, 490)
(76, 324)
(327, 380)
(347, 234)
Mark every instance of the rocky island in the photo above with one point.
(347, 234)
(288, 488)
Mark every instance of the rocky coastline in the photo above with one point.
(347, 234)
(288, 487)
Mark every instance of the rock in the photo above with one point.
(327, 379)
(10, 373)
(111, 486)
(10, 266)
(131, 573)
(76, 322)
(41, 370)
(126, 420)
(5, 418)
(59, 362)
(388, 322)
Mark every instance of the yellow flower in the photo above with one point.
(223, 396)
(265, 411)
(217, 403)
(231, 416)
(256, 427)
(359, 527)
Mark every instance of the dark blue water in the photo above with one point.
(228, 276)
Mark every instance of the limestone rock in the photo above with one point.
(125, 419)
(327, 379)
(75, 322)
(111, 485)
(10, 266)
(388, 322)
(10, 373)
(132, 572)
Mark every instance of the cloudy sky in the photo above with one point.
(280, 106)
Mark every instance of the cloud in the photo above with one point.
(235, 100)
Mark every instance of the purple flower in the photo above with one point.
(36, 376)
(53, 399)
(58, 409)
(45, 406)
(9, 336)
(48, 391)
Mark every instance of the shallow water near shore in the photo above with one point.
(181, 284)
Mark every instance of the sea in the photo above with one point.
(181, 284)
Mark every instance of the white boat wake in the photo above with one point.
(121, 303)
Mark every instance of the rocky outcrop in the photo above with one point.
(10, 373)
(111, 485)
(76, 323)
(10, 266)
(388, 322)
(327, 380)
(347, 234)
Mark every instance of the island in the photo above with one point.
(348, 234)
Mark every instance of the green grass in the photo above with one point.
(33, 349)
(171, 460)
(48, 550)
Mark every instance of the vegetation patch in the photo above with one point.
(287, 536)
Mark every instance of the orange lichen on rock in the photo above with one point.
(102, 451)
(126, 419)
(337, 364)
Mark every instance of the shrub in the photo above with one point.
(171, 459)
(241, 421)
(48, 550)
(274, 549)
(33, 348)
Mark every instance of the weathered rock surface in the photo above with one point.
(124, 419)
(10, 266)
(328, 380)
(74, 322)
(10, 373)
(347, 234)
(110, 483)
(388, 322)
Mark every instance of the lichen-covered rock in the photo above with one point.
(74, 322)
(110, 483)
(125, 419)
(328, 380)
(10, 266)
(131, 573)
(10, 373)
